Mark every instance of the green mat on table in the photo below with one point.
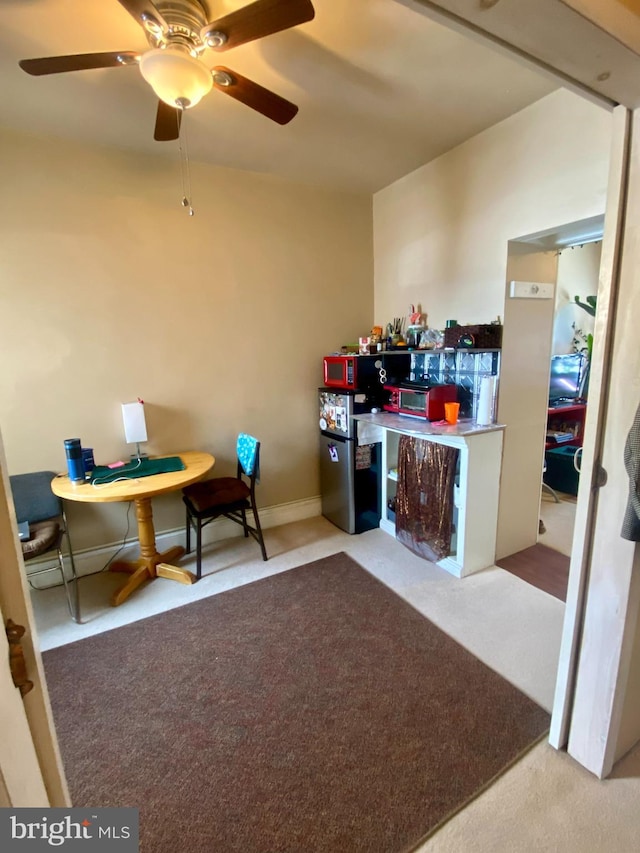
(144, 467)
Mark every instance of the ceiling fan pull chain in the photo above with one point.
(185, 169)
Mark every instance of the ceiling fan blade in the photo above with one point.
(146, 14)
(253, 95)
(77, 62)
(259, 19)
(167, 123)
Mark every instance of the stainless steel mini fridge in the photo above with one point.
(349, 473)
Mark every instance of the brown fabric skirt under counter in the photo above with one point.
(424, 500)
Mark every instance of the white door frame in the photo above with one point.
(31, 772)
(604, 722)
(591, 471)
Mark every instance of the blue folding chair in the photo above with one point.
(42, 512)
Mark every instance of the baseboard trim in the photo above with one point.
(91, 560)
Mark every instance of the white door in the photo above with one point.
(604, 721)
(598, 686)
(596, 514)
(23, 780)
(30, 768)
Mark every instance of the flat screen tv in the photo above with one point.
(567, 377)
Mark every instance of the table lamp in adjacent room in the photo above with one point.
(135, 426)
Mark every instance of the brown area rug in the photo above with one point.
(314, 710)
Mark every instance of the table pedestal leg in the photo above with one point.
(150, 564)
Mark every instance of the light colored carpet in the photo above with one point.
(559, 520)
(545, 802)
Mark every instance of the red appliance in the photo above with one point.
(341, 371)
(353, 372)
(427, 403)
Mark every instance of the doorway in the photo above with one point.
(573, 326)
(557, 334)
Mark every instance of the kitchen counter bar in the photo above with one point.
(476, 489)
(423, 427)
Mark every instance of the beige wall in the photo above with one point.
(441, 237)
(110, 291)
(441, 233)
(218, 321)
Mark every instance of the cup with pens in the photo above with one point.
(395, 331)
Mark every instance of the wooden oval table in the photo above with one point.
(150, 564)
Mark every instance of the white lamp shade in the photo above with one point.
(176, 77)
(135, 426)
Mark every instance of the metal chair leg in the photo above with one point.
(72, 605)
(551, 492)
(75, 609)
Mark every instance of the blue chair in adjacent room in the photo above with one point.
(230, 497)
(41, 515)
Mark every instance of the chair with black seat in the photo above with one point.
(230, 497)
(42, 514)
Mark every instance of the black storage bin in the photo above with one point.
(561, 474)
(487, 336)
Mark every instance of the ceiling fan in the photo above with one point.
(179, 33)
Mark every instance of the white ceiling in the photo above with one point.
(382, 89)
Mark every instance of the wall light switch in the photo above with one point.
(531, 290)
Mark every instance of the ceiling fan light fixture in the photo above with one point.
(214, 38)
(150, 24)
(222, 78)
(175, 76)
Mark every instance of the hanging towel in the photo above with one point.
(424, 499)
(631, 522)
